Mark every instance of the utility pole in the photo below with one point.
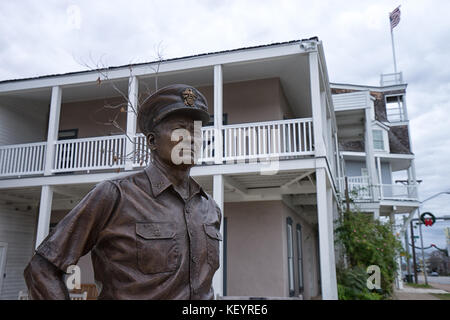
(424, 268)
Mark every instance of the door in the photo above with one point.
(3, 249)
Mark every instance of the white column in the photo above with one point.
(53, 128)
(45, 210)
(398, 278)
(370, 157)
(326, 237)
(380, 178)
(316, 106)
(218, 190)
(218, 113)
(132, 109)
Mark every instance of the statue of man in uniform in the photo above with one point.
(153, 234)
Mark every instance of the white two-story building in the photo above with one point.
(274, 158)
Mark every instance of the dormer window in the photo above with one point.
(380, 137)
(378, 141)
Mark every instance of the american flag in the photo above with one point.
(394, 17)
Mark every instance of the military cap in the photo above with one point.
(168, 100)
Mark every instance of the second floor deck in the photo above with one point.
(282, 139)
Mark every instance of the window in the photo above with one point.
(378, 140)
(394, 109)
(299, 258)
(290, 255)
(211, 120)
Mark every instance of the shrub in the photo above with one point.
(366, 242)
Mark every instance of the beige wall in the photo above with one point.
(255, 263)
(251, 101)
(257, 250)
(247, 101)
(88, 117)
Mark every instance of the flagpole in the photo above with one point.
(393, 47)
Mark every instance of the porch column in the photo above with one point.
(218, 187)
(45, 210)
(218, 113)
(132, 109)
(316, 106)
(53, 128)
(398, 278)
(370, 158)
(380, 178)
(326, 236)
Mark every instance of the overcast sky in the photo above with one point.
(48, 37)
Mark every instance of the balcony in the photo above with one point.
(282, 139)
(391, 79)
(360, 190)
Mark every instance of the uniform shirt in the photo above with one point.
(146, 241)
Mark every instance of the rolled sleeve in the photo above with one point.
(76, 234)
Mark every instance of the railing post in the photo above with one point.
(132, 109)
(53, 127)
(218, 112)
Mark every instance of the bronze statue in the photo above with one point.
(152, 235)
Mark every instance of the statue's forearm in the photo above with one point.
(44, 280)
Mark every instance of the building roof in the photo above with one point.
(165, 60)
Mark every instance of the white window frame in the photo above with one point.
(402, 109)
(384, 136)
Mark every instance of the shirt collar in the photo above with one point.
(159, 182)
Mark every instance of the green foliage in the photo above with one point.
(366, 242)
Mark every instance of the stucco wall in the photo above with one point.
(257, 250)
(89, 117)
(247, 101)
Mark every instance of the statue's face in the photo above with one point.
(176, 140)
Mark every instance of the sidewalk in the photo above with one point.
(409, 293)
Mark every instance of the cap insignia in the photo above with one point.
(189, 97)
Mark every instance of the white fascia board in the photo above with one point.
(61, 180)
(370, 88)
(378, 154)
(324, 70)
(206, 170)
(165, 67)
(400, 203)
(380, 125)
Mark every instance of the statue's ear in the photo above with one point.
(151, 140)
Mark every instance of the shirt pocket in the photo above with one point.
(157, 247)
(213, 237)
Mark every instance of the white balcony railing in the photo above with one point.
(22, 159)
(260, 140)
(360, 190)
(89, 154)
(390, 79)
